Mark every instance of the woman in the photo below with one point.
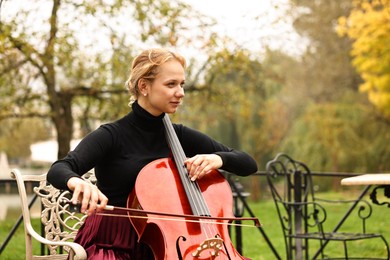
(118, 151)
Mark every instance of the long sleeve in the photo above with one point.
(234, 161)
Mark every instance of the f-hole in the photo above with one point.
(179, 256)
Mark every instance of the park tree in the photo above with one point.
(340, 137)
(67, 60)
(330, 125)
(319, 80)
(324, 72)
(17, 134)
(368, 25)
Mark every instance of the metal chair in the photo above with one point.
(302, 215)
(59, 222)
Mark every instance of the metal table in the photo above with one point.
(380, 180)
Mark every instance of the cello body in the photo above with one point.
(159, 188)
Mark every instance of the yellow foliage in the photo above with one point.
(368, 25)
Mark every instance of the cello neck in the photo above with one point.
(173, 142)
(192, 190)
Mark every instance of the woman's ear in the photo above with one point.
(143, 86)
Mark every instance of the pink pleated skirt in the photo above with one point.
(111, 238)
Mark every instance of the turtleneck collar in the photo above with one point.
(144, 119)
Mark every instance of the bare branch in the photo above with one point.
(91, 91)
(24, 115)
(53, 28)
(13, 66)
(27, 50)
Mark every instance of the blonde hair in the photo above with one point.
(146, 66)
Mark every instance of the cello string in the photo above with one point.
(192, 186)
(197, 198)
(180, 157)
(195, 193)
(200, 205)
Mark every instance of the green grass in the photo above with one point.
(254, 244)
(15, 248)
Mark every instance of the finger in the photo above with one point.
(86, 199)
(200, 170)
(206, 170)
(76, 194)
(194, 170)
(93, 201)
(190, 164)
(103, 201)
(199, 161)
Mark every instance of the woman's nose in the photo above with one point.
(180, 92)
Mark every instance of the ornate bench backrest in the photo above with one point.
(60, 222)
(58, 218)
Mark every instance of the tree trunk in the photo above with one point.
(63, 122)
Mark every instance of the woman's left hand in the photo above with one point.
(201, 164)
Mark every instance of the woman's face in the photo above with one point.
(165, 93)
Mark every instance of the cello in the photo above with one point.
(164, 186)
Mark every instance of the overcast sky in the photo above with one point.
(252, 23)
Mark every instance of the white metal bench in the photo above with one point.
(59, 222)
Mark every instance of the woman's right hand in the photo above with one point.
(91, 198)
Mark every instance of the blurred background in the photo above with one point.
(308, 78)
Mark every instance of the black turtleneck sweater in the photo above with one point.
(119, 150)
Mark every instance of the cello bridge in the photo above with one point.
(213, 245)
